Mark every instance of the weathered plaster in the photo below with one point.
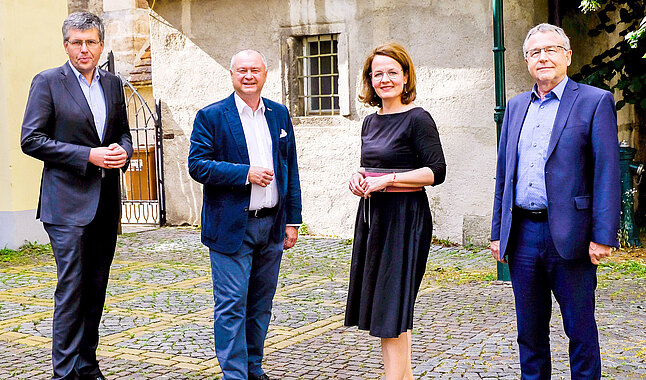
(450, 43)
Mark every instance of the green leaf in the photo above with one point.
(636, 85)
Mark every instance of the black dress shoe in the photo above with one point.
(262, 377)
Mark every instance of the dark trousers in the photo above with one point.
(83, 256)
(244, 284)
(537, 270)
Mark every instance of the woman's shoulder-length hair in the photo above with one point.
(397, 52)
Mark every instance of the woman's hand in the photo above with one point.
(355, 184)
(372, 184)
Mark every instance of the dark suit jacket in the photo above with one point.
(581, 171)
(218, 158)
(58, 129)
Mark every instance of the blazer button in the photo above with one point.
(246, 209)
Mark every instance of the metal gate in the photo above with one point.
(142, 185)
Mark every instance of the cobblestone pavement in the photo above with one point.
(157, 322)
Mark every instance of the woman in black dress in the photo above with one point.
(400, 154)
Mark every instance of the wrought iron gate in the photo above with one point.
(142, 185)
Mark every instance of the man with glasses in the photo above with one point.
(557, 204)
(76, 123)
(244, 153)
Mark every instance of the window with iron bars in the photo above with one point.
(318, 75)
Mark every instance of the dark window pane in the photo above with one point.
(326, 65)
(313, 48)
(314, 86)
(326, 103)
(314, 66)
(326, 47)
(326, 85)
(314, 104)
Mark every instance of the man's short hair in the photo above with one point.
(262, 56)
(82, 21)
(545, 27)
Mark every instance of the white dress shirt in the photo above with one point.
(258, 138)
(95, 98)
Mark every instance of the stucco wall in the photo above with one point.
(450, 42)
(20, 174)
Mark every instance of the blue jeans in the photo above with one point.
(537, 270)
(244, 284)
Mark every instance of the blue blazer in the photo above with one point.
(58, 129)
(581, 171)
(218, 158)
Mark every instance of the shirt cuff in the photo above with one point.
(293, 225)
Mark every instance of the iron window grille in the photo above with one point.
(318, 75)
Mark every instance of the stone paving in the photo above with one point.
(157, 322)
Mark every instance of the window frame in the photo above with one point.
(292, 47)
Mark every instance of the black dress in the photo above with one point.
(393, 229)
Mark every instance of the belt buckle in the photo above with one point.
(255, 213)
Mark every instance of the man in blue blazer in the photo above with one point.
(76, 123)
(244, 153)
(557, 203)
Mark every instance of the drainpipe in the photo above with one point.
(499, 68)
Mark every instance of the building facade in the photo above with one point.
(315, 52)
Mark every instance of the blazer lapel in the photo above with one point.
(565, 106)
(70, 82)
(107, 95)
(270, 116)
(516, 123)
(235, 125)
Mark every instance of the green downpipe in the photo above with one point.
(499, 110)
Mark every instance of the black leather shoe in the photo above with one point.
(262, 377)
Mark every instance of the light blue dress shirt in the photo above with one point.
(95, 98)
(532, 148)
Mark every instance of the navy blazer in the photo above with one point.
(58, 129)
(218, 158)
(581, 171)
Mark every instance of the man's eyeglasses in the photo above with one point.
(378, 76)
(89, 43)
(551, 51)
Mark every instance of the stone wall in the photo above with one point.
(127, 30)
(94, 6)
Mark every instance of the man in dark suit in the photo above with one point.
(244, 152)
(557, 203)
(76, 123)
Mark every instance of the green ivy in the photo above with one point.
(623, 66)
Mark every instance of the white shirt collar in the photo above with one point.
(80, 76)
(241, 105)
